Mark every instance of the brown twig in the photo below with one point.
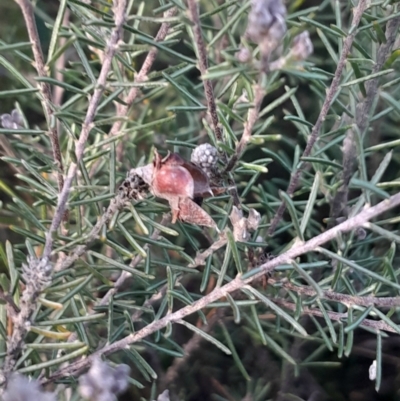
(58, 91)
(45, 90)
(363, 108)
(209, 90)
(248, 127)
(373, 324)
(141, 76)
(112, 46)
(348, 300)
(8, 299)
(203, 67)
(202, 257)
(339, 202)
(236, 284)
(294, 180)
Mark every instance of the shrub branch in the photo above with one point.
(338, 316)
(45, 90)
(234, 285)
(248, 127)
(203, 66)
(333, 89)
(37, 272)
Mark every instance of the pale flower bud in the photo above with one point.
(302, 47)
(243, 55)
(20, 388)
(266, 21)
(12, 121)
(103, 382)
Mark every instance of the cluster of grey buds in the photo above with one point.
(302, 47)
(13, 120)
(206, 157)
(103, 382)
(20, 388)
(266, 27)
(266, 21)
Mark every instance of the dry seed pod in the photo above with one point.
(171, 179)
(179, 181)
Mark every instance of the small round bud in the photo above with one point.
(205, 156)
(302, 47)
(361, 233)
(243, 55)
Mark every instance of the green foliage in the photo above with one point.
(321, 310)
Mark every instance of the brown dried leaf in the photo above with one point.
(243, 226)
(192, 213)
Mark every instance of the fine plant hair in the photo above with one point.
(101, 293)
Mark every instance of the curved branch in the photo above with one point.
(236, 284)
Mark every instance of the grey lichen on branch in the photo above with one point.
(37, 277)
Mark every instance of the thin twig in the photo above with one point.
(45, 90)
(141, 76)
(8, 299)
(236, 284)
(38, 271)
(294, 180)
(209, 90)
(116, 204)
(203, 67)
(373, 324)
(189, 348)
(134, 262)
(339, 203)
(364, 107)
(202, 257)
(248, 127)
(58, 90)
(348, 300)
(112, 46)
